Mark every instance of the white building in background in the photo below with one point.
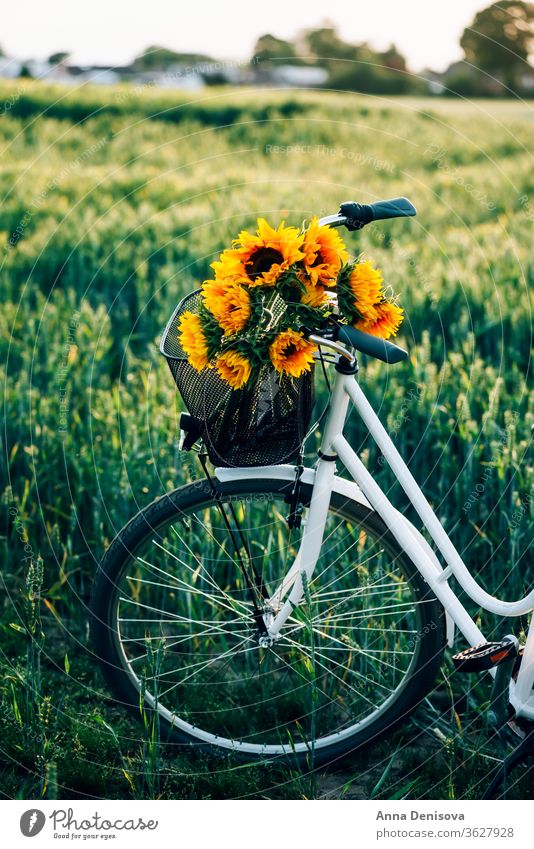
(97, 76)
(299, 76)
(175, 77)
(179, 76)
(526, 80)
(434, 80)
(39, 68)
(10, 68)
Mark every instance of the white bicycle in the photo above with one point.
(282, 611)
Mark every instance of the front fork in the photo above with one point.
(312, 537)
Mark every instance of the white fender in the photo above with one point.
(348, 489)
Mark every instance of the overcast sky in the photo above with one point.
(114, 31)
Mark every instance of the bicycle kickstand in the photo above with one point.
(498, 721)
(524, 750)
(502, 657)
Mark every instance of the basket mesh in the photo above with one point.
(262, 424)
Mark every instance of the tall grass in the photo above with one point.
(113, 206)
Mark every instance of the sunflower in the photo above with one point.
(228, 302)
(388, 320)
(193, 340)
(365, 282)
(260, 259)
(359, 289)
(234, 368)
(291, 353)
(324, 253)
(313, 294)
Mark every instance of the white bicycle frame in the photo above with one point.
(365, 490)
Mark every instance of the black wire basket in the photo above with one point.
(262, 424)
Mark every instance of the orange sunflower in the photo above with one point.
(259, 259)
(193, 340)
(234, 368)
(365, 283)
(228, 302)
(291, 353)
(314, 294)
(389, 317)
(324, 253)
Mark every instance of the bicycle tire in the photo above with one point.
(173, 507)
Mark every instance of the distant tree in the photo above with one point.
(57, 58)
(25, 72)
(325, 45)
(370, 78)
(1, 51)
(372, 72)
(391, 58)
(269, 47)
(500, 39)
(351, 67)
(463, 81)
(157, 58)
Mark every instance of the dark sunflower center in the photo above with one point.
(290, 349)
(317, 261)
(262, 260)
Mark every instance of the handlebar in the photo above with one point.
(375, 347)
(336, 335)
(354, 215)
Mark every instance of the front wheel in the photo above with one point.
(173, 620)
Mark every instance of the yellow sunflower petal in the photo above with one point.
(324, 253)
(259, 259)
(228, 302)
(388, 320)
(314, 294)
(291, 353)
(193, 340)
(234, 368)
(365, 282)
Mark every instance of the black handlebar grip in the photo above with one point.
(360, 214)
(380, 349)
(357, 214)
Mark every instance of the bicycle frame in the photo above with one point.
(347, 390)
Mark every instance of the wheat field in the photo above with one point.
(114, 203)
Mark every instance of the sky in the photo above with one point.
(112, 32)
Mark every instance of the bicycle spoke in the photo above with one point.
(175, 557)
(394, 608)
(315, 654)
(209, 632)
(352, 568)
(340, 657)
(186, 588)
(204, 665)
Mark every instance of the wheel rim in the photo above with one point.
(183, 626)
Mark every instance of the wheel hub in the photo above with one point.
(265, 641)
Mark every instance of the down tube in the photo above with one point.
(402, 533)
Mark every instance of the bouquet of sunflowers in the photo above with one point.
(267, 287)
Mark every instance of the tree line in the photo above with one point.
(496, 46)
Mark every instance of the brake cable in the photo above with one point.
(258, 586)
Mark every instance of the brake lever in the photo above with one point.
(336, 220)
(335, 346)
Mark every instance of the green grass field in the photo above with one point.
(114, 203)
